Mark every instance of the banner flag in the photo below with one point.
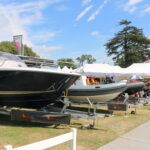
(17, 39)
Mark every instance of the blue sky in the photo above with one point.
(69, 28)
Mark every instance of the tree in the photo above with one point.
(128, 46)
(90, 59)
(66, 62)
(9, 47)
(29, 52)
(81, 59)
(85, 58)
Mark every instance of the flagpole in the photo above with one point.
(22, 46)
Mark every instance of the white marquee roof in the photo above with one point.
(100, 70)
(140, 69)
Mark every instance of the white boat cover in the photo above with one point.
(9, 60)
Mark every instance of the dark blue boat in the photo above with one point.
(21, 86)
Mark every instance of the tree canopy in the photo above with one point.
(66, 62)
(29, 52)
(85, 58)
(71, 64)
(129, 45)
(9, 47)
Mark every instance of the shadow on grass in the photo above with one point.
(91, 109)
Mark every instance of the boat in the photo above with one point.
(82, 92)
(134, 87)
(25, 87)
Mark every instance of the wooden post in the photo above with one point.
(74, 139)
(8, 147)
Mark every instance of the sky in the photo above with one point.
(70, 28)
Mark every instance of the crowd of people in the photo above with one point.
(96, 81)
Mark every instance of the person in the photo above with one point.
(109, 80)
(87, 81)
(112, 79)
(93, 81)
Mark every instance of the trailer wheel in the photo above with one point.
(133, 112)
(110, 112)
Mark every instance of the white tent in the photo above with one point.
(100, 70)
(58, 69)
(66, 69)
(140, 69)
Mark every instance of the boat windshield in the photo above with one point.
(10, 60)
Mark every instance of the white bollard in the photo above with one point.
(8, 147)
(74, 139)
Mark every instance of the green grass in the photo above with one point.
(107, 129)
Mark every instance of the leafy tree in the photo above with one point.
(128, 46)
(9, 47)
(90, 59)
(85, 58)
(81, 59)
(29, 52)
(66, 62)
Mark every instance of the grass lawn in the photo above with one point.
(108, 128)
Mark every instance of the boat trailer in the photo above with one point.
(50, 114)
(36, 116)
(123, 102)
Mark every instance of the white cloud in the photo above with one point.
(47, 48)
(93, 16)
(43, 36)
(83, 13)
(95, 33)
(17, 18)
(146, 10)
(133, 2)
(10, 24)
(102, 38)
(43, 50)
(131, 5)
(84, 2)
(62, 8)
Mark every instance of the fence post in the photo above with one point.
(74, 139)
(8, 147)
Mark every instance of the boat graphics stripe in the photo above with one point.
(24, 92)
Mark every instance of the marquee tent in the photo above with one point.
(100, 70)
(140, 69)
(147, 61)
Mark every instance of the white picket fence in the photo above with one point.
(49, 142)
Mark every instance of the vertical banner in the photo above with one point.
(17, 39)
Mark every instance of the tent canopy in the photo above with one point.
(139, 69)
(100, 70)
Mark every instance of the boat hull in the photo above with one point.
(32, 88)
(134, 87)
(101, 93)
